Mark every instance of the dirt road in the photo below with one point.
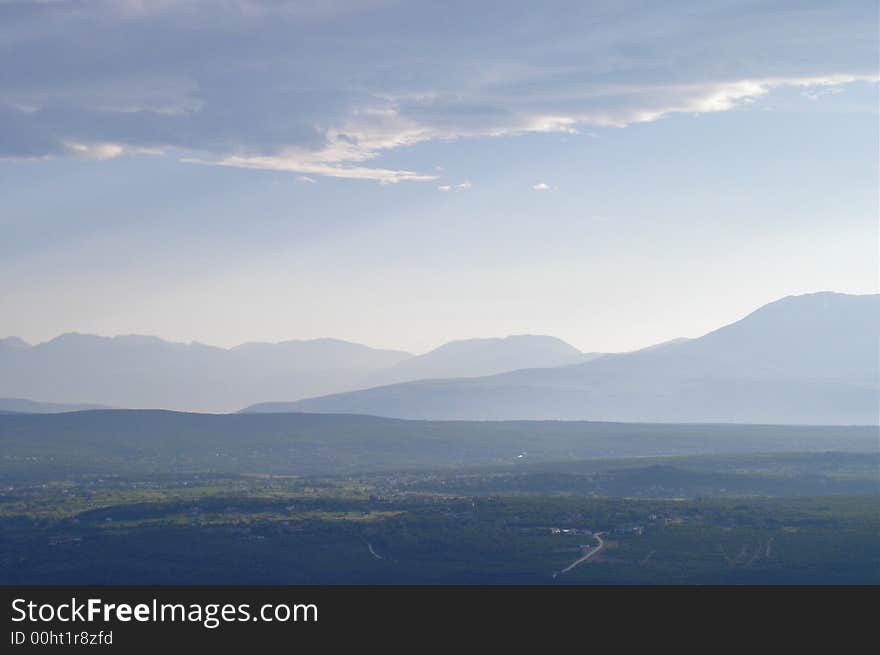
(586, 556)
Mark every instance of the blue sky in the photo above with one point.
(403, 174)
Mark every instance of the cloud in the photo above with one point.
(541, 186)
(296, 164)
(305, 179)
(456, 187)
(95, 150)
(814, 93)
(329, 88)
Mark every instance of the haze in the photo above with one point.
(406, 174)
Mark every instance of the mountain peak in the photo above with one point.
(510, 342)
(467, 358)
(14, 343)
(802, 359)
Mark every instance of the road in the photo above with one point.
(586, 556)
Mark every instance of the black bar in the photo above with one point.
(448, 615)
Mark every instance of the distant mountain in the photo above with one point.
(136, 371)
(146, 372)
(479, 357)
(665, 344)
(13, 343)
(24, 406)
(803, 359)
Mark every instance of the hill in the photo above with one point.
(810, 359)
(480, 357)
(127, 442)
(24, 406)
(147, 372)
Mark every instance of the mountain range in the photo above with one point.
(802, 359)
(479, 357)
(810, 359)
(145, 372)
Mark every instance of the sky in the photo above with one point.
(402, 174)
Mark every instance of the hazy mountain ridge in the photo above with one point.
(481, 357)
(25, 406)
(147, 372)
(139, 371)
(13, 343)
(801, 359)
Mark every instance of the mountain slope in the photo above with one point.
(144, 372)
(13, 343)
(802, 359)
(137, 371)
(480, 357)
(25, 406)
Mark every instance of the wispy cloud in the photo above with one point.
(271, 84)
(296, 165)
(463, 186)
(541, 186)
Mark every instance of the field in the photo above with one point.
(140, 442)
(384, 530)
(165, 498)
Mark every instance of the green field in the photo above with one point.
(140, 442)
(164, 498)
(286, 530)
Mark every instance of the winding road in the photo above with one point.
(373, 552)
(586, 556)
